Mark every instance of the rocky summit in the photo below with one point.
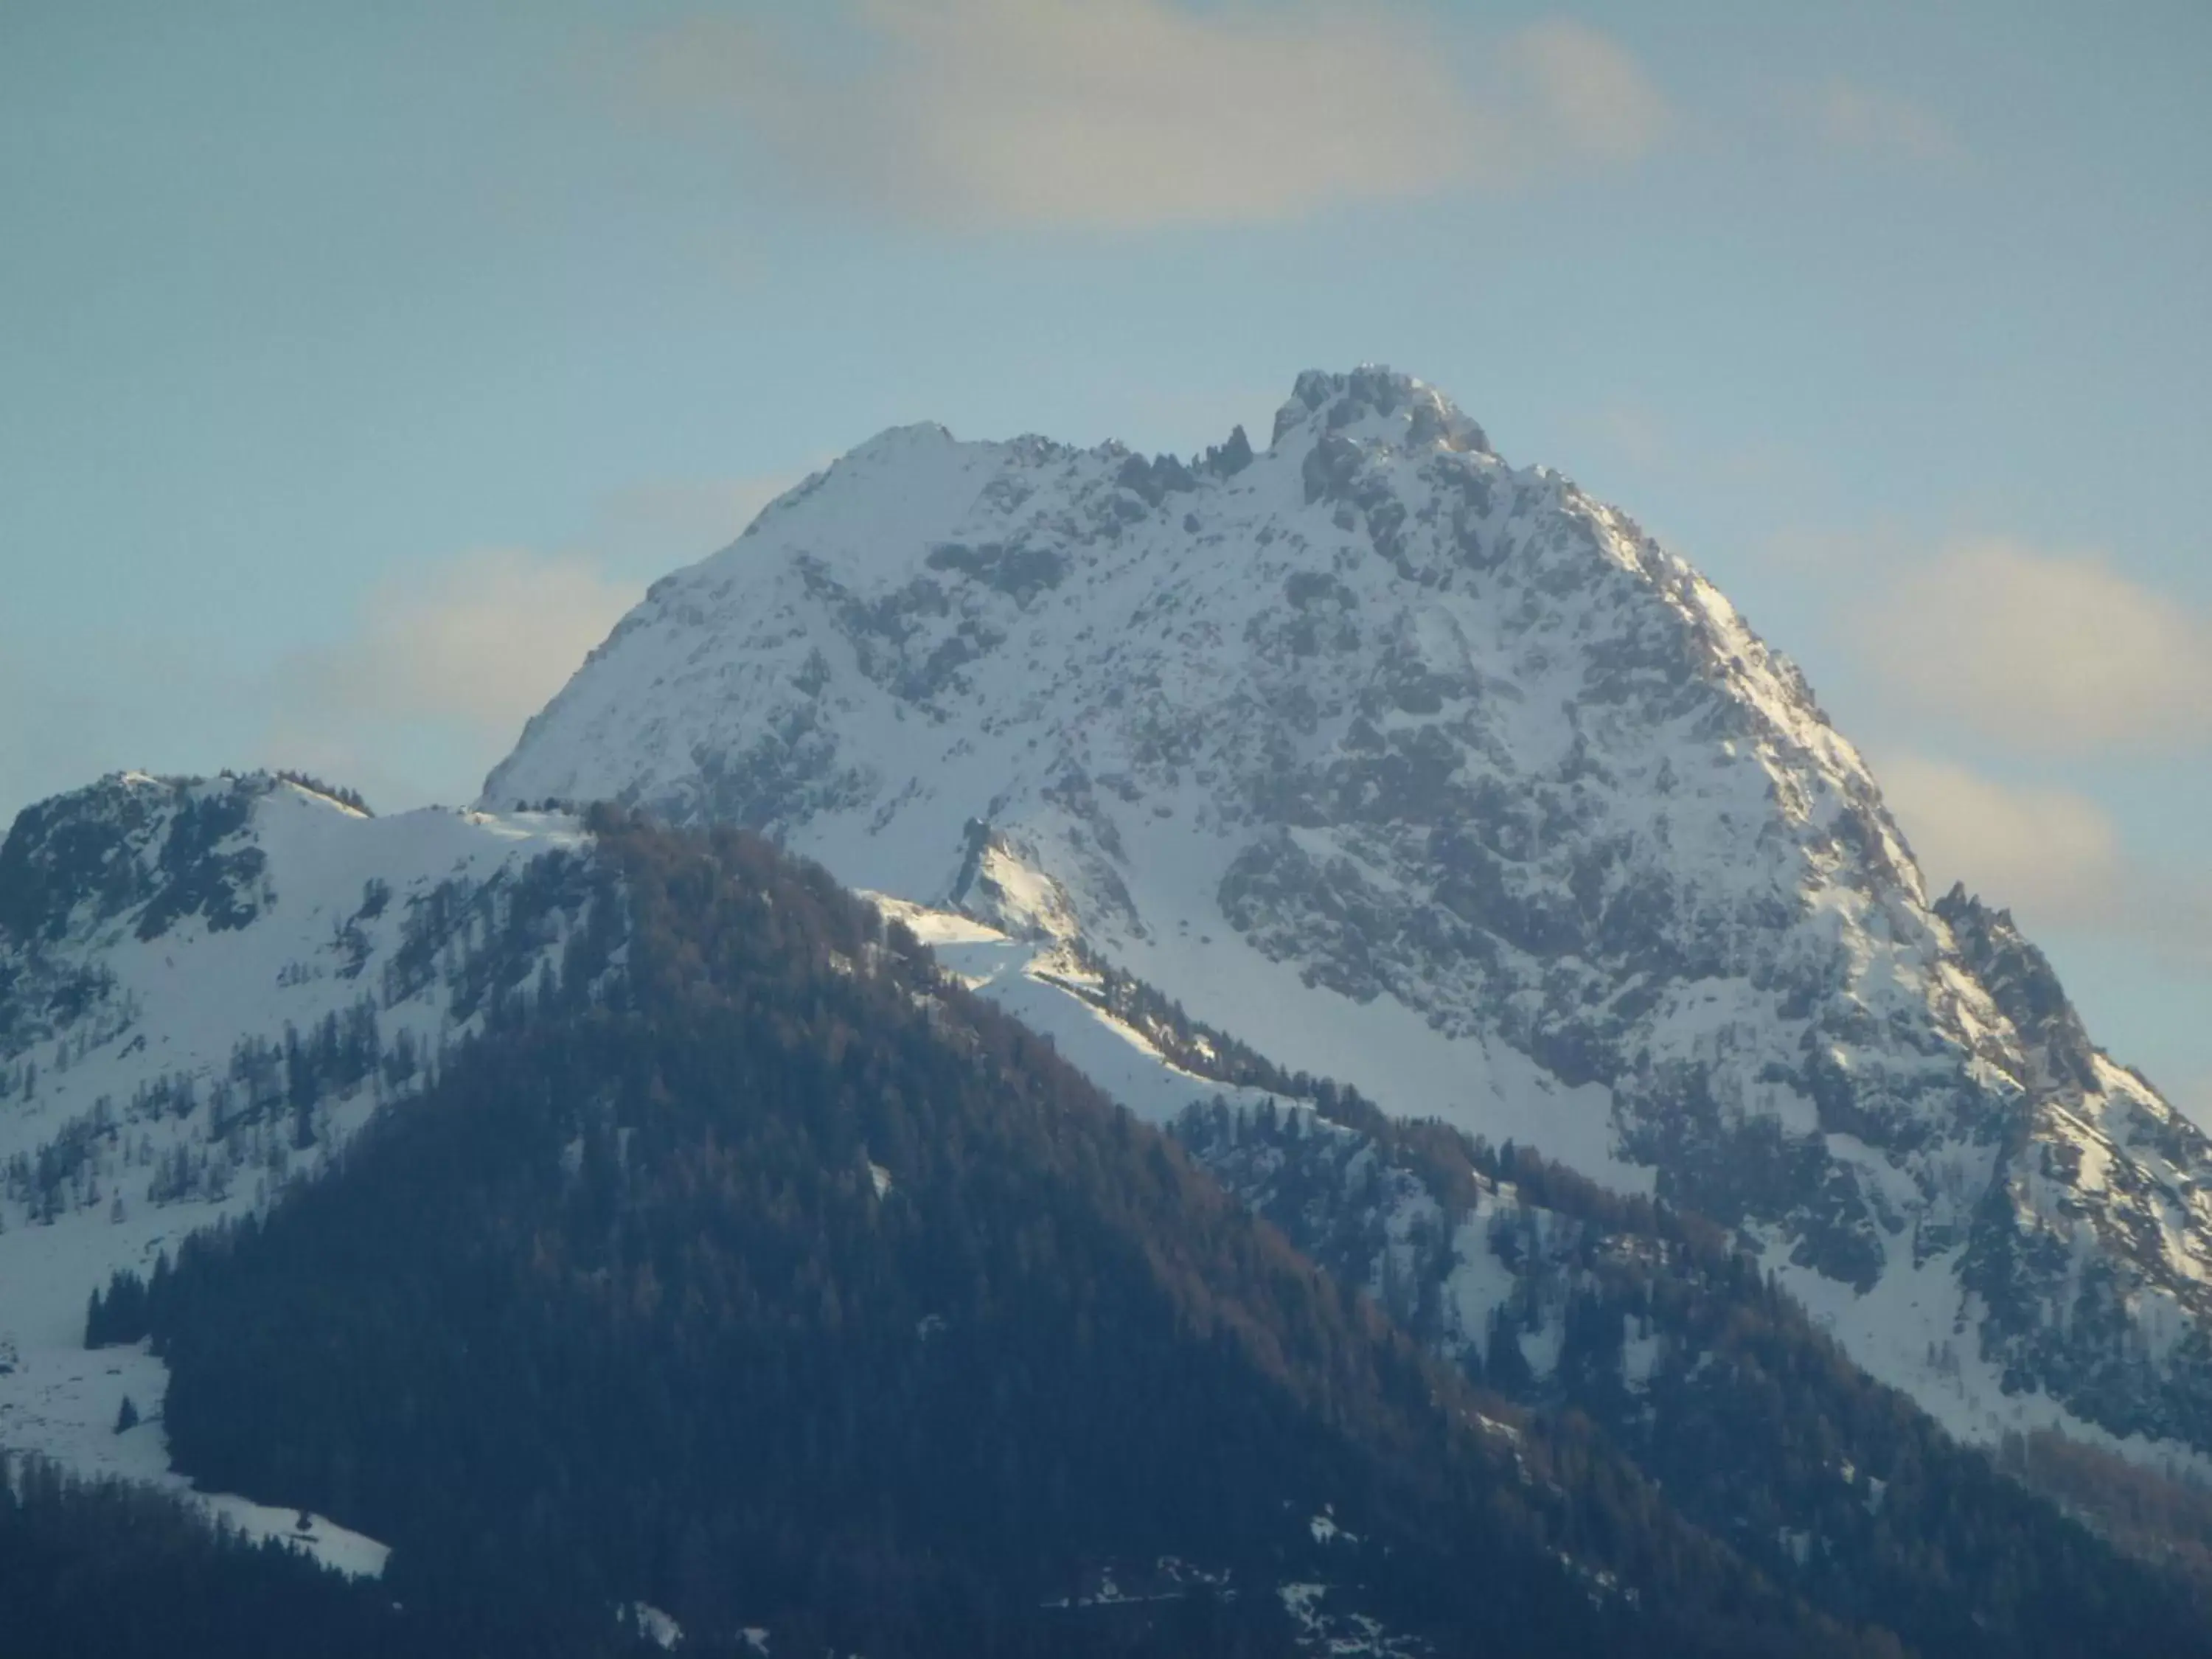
(1424, 772)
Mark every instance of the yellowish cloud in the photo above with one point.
(661, 524)
(2054, 856)
(440, 671)
(1582, 91)
(2053, 852)
(482, 641)
(1109, 115)
(2045, 652)
(444, 662)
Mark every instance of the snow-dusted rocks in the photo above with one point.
(1429, 773)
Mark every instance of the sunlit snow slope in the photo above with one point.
(1429, 773)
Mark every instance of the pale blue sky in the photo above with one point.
(357, 365)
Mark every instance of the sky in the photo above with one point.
(360, 366)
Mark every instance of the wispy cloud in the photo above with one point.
(424, 688)
(1581, 95)
(660, 524)
(481, 642)
(2051, 851)
(1820, 552)
(440, 669)
(1878, 125)
(444, 662)
(2054, 855)
(2043, 653)
(1113, 115)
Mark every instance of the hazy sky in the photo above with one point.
(360, 365)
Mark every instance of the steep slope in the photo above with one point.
(1564, 1296)
(206, 986)
(1057, 991)
(779, 1281)
(1431, 774)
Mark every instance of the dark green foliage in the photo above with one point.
(112, 1569)
(1191, 1044)
(617, 1311)
(197, 878)
(490, 945)
(375, 895)
(55, 856)
(486, 936)
(1754, 1422)
(81, 852)
(2165, 1518)
(120, 1317)
(313, 784)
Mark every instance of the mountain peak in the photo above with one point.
(1411, 768)
(1376, 401)
(899, 440)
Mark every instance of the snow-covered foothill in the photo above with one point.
(206, 986)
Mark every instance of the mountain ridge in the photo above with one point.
(1366, 766)
(453, 933)
(778, 1169)
(1436, 775)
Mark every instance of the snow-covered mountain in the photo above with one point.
(1417, 769)
(205, 988)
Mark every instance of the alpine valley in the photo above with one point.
(1303, 1050)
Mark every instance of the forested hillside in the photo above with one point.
(790, 1289)
(114, 1570)
(1653, 1325)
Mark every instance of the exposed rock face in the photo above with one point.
(1432, 773)
(173, 846)
(2089, 1250)
(150, 853)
